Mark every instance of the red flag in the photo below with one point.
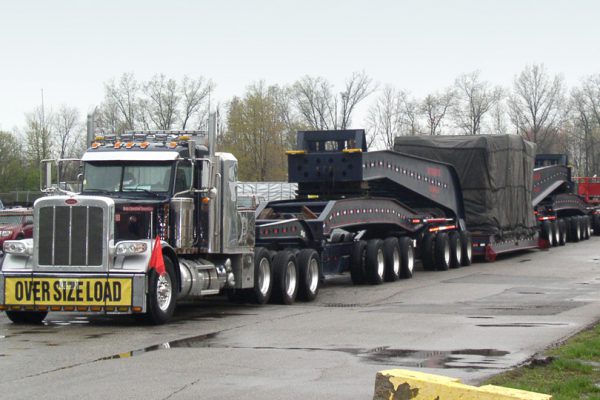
(156, 259)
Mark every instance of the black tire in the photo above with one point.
(26, 317)
(427, 252)
(546, 230)
(309, 267)
(407, 257)
(392, 259)
(375, 265)
(442, 252)
(263, 276)
(596, 224)
(455, 249)
(358, 262)
(568, 228)
(562, 230)
(555, 233)
(466, 242)
(575, 229)
(162, 293)
(587, 223)
(285, 277)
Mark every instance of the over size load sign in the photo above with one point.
(25, 291)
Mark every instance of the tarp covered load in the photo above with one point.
(496, 175)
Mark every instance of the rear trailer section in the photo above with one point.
(496, 177)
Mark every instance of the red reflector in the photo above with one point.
(71, 201)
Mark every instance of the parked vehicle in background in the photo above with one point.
(15, 224)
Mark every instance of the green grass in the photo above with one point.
(568, 376)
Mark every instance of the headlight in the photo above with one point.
(130, 248)
(18, 247)
(5, 233)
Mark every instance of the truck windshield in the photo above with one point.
(131, 177)
(10, 219)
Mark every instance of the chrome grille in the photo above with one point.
(70, 235)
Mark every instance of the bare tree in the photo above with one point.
(434, 108)
(124, 96)
(537, 106)
(384, 119)
(322, 109)
(162, 101)
(38, 135)
(67, 127)
(474, 99)
(193, 93)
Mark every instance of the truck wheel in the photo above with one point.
(391, 259)
(427, 251)
(466, 242)
(26, 317)
(375, 265)
(285, 277)
(161, 294)
(263, 272)
(568, 229)
(358, 262)
(455, 249)
(575, 229)
(309, 268)
(442, 252)
(587, 227)
(562, 230)
(407, 258)
(547, 235)
(555, 232)
(596, 220)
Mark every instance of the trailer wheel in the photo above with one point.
(309, 268)
(555, 233)
(427, 252)
(375, 265)
(285, 277)
(407, 258)
(26, 317)
(442, 252)
(358, 262)
(392, 259)
(161, 294)
(466, 242)
(546, 229)
(263, 273)
(587, 230)
(455, 249)
(596, 221)
(575, 229)
(562, 231)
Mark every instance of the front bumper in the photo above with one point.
(122, 293)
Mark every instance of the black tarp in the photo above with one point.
(496, 176)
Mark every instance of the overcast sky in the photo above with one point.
(71, 48)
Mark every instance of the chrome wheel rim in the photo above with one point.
(458, 251)
(164, 291)
(290, 278)
(411, 259)
(447, 253)
(264, 276)
(313, 275)
(380, 263)
(396, 262)
(469, 249)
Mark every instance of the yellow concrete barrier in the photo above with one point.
(399, 384)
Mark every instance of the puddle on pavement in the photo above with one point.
(522, 325)
(467, 358)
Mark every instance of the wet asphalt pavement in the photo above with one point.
(468, 323)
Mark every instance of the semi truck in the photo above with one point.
(563, 214)
(156, 220)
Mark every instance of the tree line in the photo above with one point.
(259, 125)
